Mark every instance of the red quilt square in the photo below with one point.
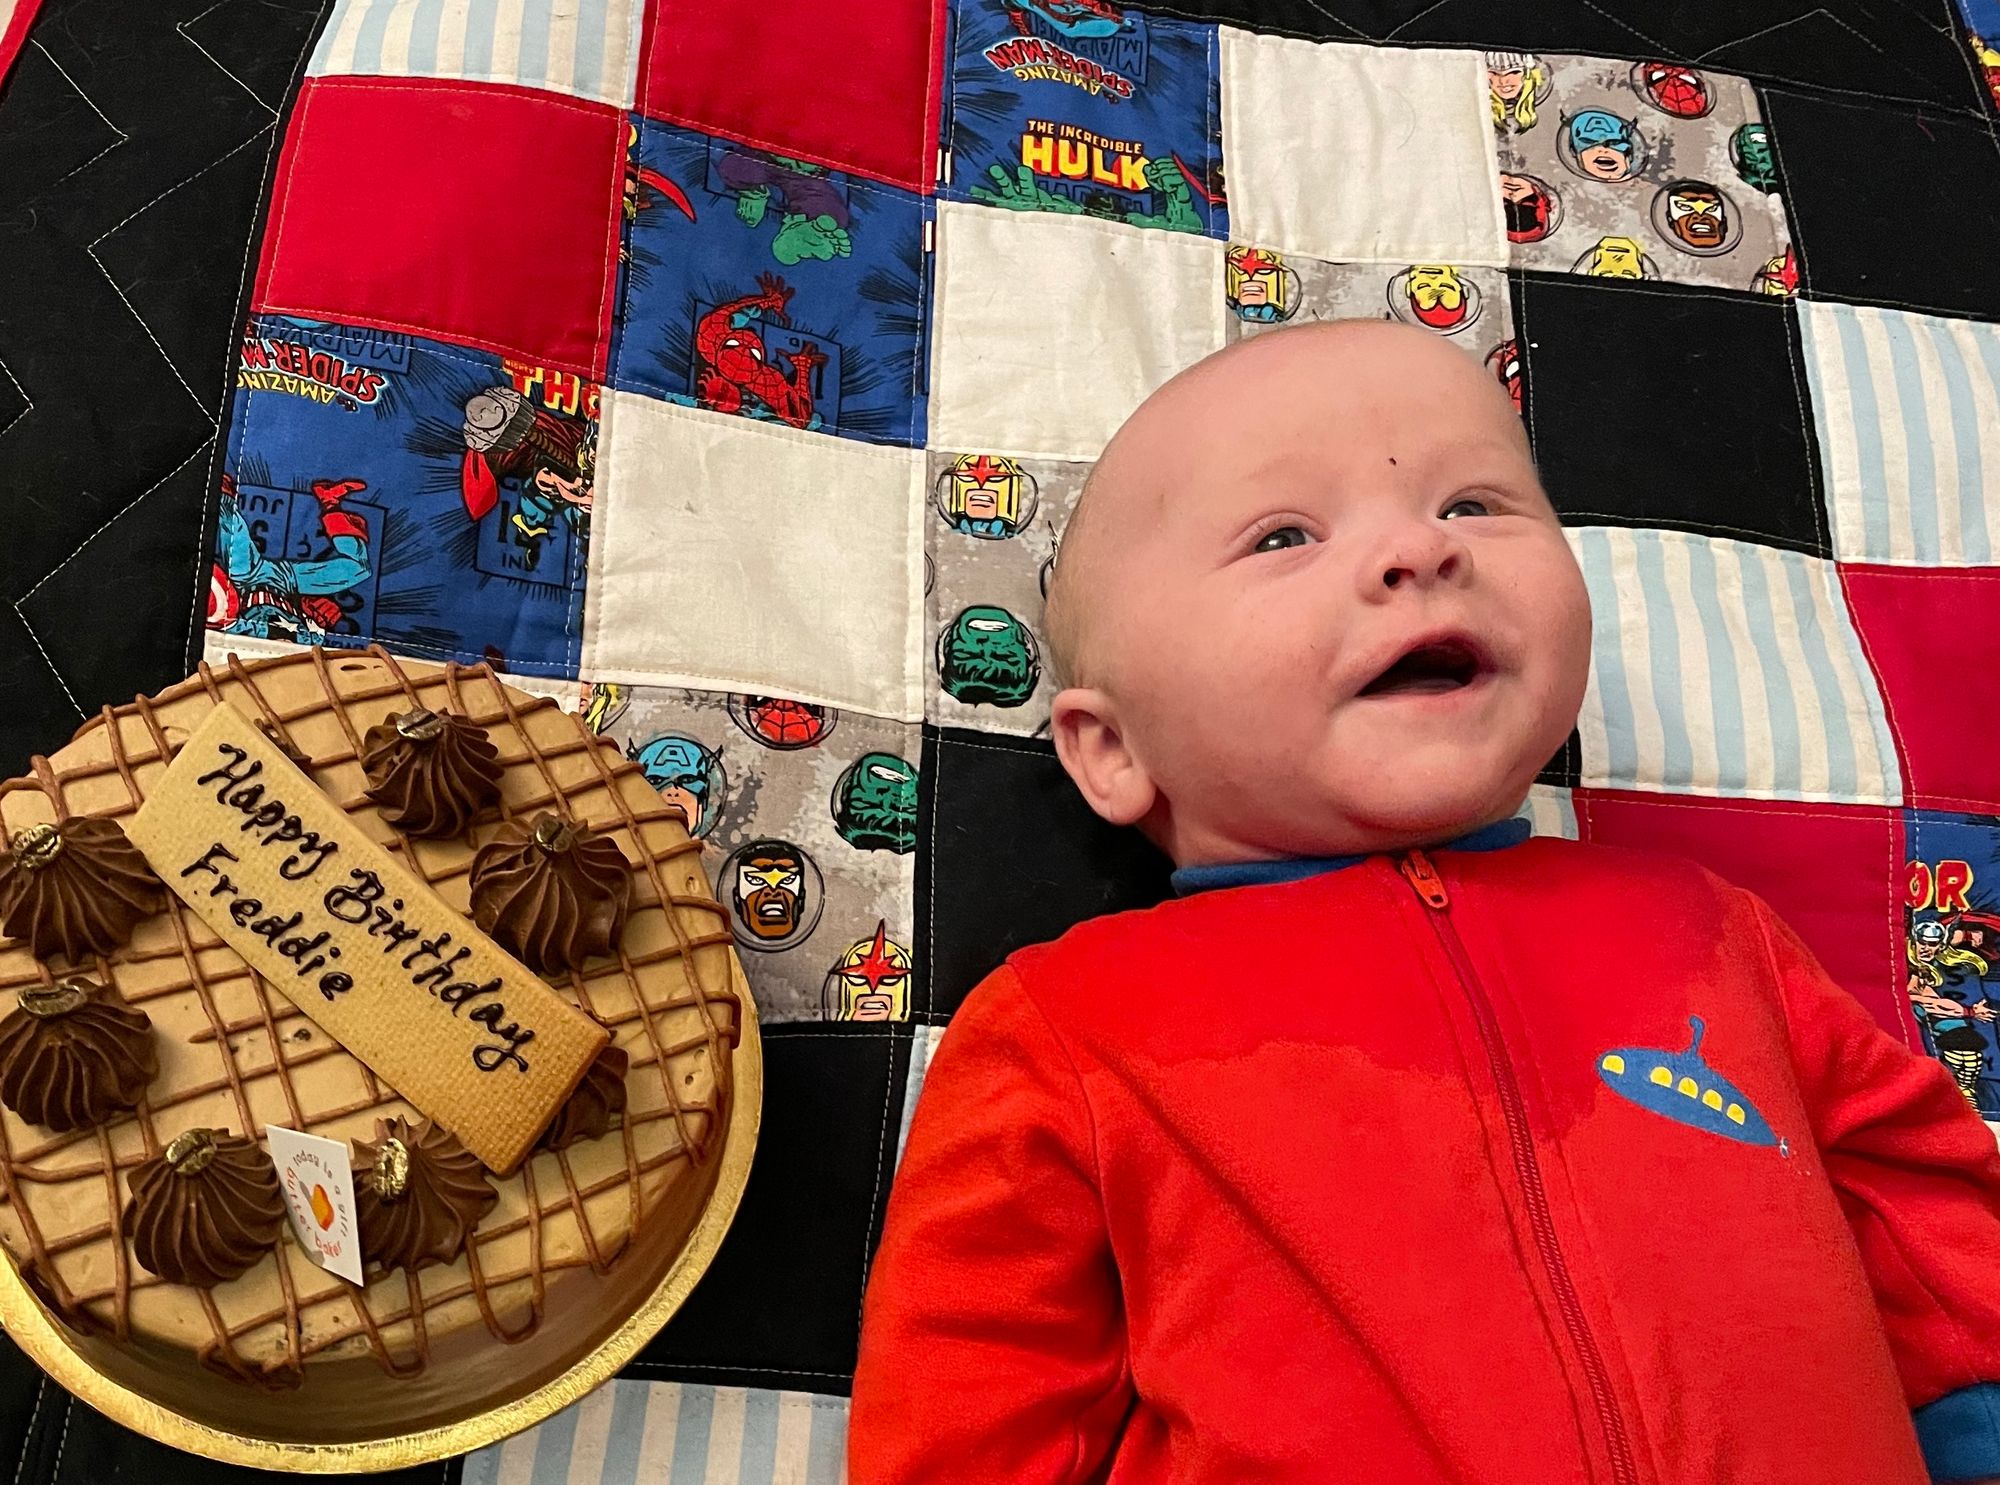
(475, 213)
(1924, 630)
(1834, 872)
(851, 85)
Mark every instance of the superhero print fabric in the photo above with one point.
(732, 380)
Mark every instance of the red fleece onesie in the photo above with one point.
(1524, 1166)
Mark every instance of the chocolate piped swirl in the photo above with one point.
(553, 893)
(74, 1054)
(430, 772)
(75, 889)
(419, 1192)
(206, 1209)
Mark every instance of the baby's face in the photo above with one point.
(1334, 608)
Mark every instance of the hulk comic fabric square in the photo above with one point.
(1088, 110)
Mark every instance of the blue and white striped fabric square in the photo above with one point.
(1727, 668)
(676, 1433)
(586, 48)
(1899, 403)
(1550, 810)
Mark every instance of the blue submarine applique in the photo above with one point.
(1685, 1089)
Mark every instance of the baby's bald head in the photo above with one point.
(1224, 400)
(1313, 600)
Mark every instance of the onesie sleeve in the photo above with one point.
(1918, 1174)
(992, 1338)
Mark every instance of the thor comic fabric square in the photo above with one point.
(1951, 946)
(376, 177)
(383, 486)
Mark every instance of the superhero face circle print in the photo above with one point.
(1504, 361)
(775, 894)
(986, 496)
(875, 804)
(1616, 257)
(1750, 152)
(1516, 84)
(1779, 277)
(1436, 296)
(1259, 288)
(1533, 208)
(1599, 145)
(688, 776)
(1679, 91)
(781, 724)
(870, 982)
(986, 655)
(1693, 216)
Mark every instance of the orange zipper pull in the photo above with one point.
(1423, 876)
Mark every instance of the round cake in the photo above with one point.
(141, 1058)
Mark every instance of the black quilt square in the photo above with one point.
(1855, 46)
(781, 1306)
(1015, 857)
(1658, 405)
(1889, 205)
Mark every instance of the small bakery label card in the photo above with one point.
(318, 1183)
(358, 942)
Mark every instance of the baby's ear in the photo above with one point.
(1088, 739)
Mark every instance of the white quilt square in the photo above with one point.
(586, 48)
(1369, 153)
(733, 555)
(1050, 329)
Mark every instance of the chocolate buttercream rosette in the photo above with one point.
(521, 1288)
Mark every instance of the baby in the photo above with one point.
(1402, 1148)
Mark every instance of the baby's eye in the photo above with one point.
(1278, 540)
(1465, 507)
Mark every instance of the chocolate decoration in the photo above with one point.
(598, 1100)
(73, 1054)
(75, 889)
(554, 894)
(419, 1193)
(206, 1210)
(430, 771)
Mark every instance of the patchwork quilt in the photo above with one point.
(728, 371)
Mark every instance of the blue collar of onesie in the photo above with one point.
(1191, 879)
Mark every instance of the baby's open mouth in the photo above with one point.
(1430, 669)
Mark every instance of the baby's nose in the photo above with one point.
(1443, 565)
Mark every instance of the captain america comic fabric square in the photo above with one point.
(731, 378)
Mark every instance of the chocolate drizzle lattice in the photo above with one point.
(236, 1053)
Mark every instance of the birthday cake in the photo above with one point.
(143, 1057)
